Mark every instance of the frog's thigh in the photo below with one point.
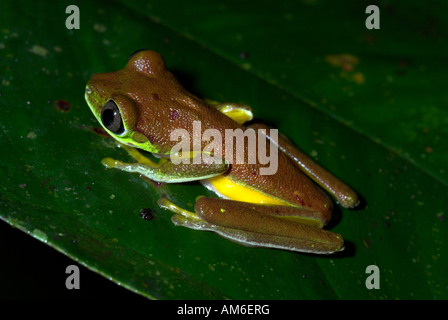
(241, 223)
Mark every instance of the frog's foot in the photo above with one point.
(165, 170)
(184, 217)
(251, 227)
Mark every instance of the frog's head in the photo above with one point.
(140, 103)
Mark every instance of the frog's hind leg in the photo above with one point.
(257, 225)
(343, 193)
(246, 224)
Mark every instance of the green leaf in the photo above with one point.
(369, 105)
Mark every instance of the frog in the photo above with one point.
(141, 104)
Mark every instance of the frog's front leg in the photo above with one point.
(165, 170)
(255, 225)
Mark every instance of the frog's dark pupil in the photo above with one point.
(111, 117)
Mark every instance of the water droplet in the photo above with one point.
(39, 234)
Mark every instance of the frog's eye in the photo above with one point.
(111, 117)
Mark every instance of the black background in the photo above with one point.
(30, 270)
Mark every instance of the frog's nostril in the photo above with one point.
(88, 90)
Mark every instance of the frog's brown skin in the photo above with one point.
(149, 94)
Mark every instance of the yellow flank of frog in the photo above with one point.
(225, 187)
